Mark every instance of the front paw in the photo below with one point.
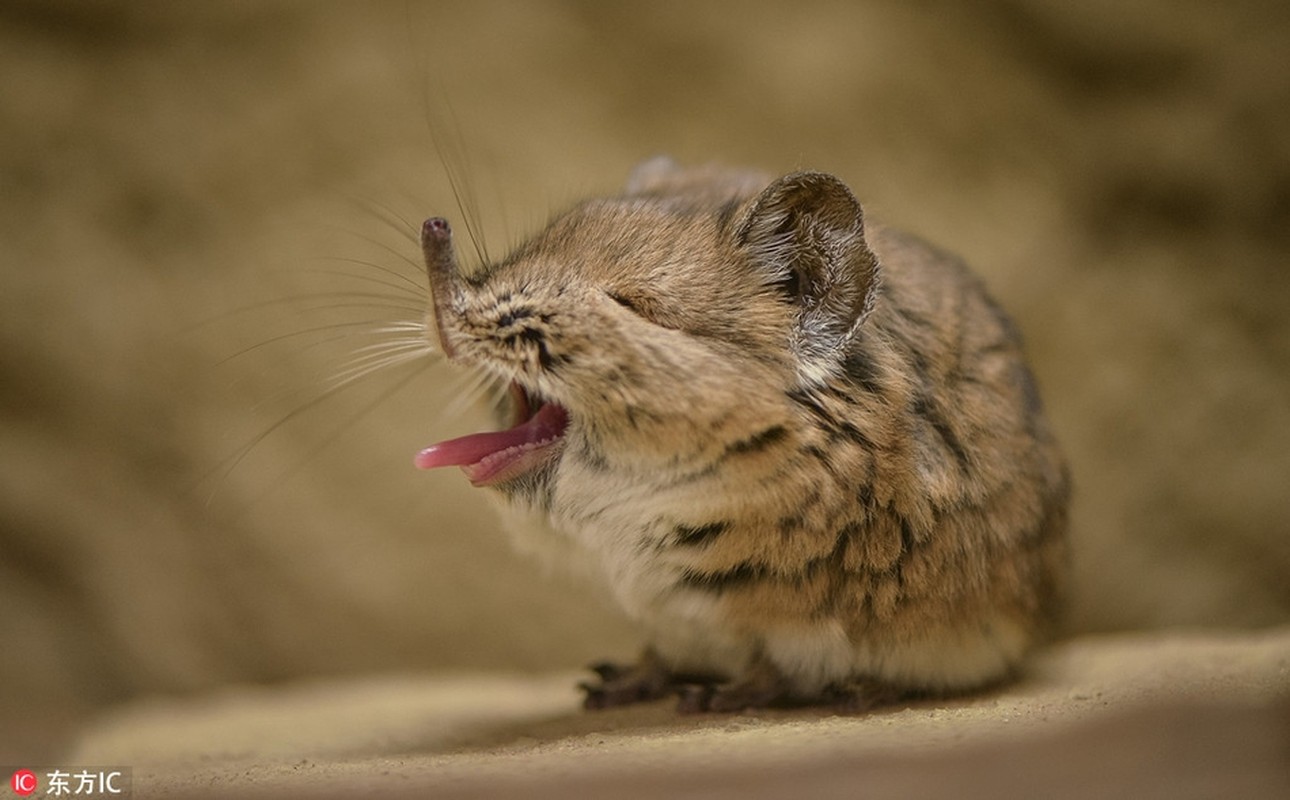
(625, 684)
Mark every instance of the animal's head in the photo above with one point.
(651, 330)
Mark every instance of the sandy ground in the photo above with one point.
(1143, 715)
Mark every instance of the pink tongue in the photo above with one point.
(487, 458)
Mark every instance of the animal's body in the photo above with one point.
(804, 450)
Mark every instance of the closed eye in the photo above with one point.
(647, 308)
(625, 302)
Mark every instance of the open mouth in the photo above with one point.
(490, 458)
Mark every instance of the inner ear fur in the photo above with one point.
(807, 230)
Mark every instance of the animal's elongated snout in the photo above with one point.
(441, 268)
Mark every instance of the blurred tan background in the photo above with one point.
(178, 182)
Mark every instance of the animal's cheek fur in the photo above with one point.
(682, 435)
(653, 377)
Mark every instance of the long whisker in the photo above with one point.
(473, 386)
(406, 287)
(403, 327)
(367, 324)
(311, 301)
(401, 297)
(467, 204)
(417, 267)
(226, 467)
(396, 221)
(498, 395)
(364, 356)
(451, 156)
(397, 342)
(326, 441)
(375, 362)
(419, 287)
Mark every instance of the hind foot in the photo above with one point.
(761, 687)
(862, 695)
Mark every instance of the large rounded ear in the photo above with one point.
(806, 233)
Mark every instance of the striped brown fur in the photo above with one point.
(800, 444)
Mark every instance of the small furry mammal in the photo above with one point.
(803, 450)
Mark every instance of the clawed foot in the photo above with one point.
(863, 696)
(650, 679)
(859, 697)
(622, 685)
(729, 698)
(761, 687)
